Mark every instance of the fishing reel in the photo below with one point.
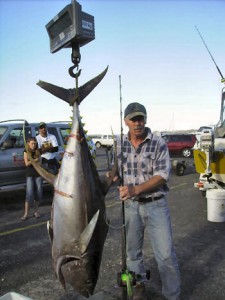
(127, 279)
(125, 276)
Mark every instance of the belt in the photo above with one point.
(149, 199)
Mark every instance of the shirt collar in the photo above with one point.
(148, 136)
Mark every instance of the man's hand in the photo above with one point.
(46, 149)
(126, 192)
(109, 174)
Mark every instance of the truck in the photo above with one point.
(209, 155)
(12, 166)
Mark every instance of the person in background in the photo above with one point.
(48, 146)
(34, 191)
(146, 168)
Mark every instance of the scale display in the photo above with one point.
(70, 26)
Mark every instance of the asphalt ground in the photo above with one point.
(25, 250)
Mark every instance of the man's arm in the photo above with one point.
(49, 149)
(148, 186)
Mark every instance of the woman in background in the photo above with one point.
(34, 192)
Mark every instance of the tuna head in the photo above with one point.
(80, 266)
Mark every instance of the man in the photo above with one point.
(146, 168)
(48, 146)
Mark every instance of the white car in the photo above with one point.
(91, 146)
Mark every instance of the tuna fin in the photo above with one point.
(86, 235)
(50, 231)
(50, 178)
(70, 95)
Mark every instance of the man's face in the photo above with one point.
(136, 126)
(43, 131)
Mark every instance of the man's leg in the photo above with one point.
(162, 244)
(134, 237)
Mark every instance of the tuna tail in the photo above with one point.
(70, 95)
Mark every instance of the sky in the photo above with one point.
(152, 45)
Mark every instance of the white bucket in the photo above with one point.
(216, 205)
(14, 296)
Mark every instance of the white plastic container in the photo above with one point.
(14, 296)
(216, 205)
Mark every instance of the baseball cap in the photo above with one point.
(134, 109)
(42, 124)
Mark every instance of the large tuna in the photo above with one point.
(78, 227)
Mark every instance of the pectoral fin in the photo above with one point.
(87, 234)
(50, 231)
(50, 178)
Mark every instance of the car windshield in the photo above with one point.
(2, 131)
(65, 132)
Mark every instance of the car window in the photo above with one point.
(16, 137)
(65, 132)
(2, 131)
(95, 136)
(53, 130)
(173, 138)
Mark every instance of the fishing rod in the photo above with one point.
(124, 266)
(121, 130)
(222, 78)
(125, 279)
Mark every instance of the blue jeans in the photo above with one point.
(154, 219)
(34, 189)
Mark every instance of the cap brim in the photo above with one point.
(135, 114)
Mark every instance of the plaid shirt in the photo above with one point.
(149, 159)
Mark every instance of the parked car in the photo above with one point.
(102, 140)
(204, 128)
(91, 146)
(12, 167)
(180, 144)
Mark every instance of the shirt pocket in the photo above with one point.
(147, 163)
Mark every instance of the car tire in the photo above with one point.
(98, 145)
(186, 152)
(180, 169)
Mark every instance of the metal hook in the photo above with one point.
(72, 74)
